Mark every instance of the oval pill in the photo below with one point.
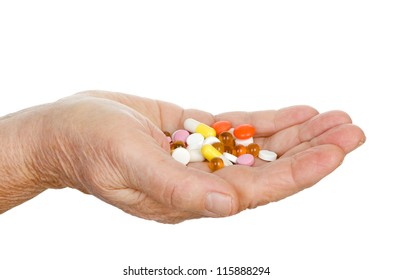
(221, 126)
(181, 155)
(267, 155)
(231, 157)
(244, 131)
(245, 159)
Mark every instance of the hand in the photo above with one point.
(111, 145)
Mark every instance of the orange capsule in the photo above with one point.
(219, 146)
(216, 164)
(240, 150)
(221, 126)
(253, 149)
(226, 138)
(244, 131)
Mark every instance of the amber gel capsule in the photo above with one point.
(253, 149)
(216, 164)
(226, 138)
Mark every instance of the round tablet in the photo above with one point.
(195, 140)
(181, 155)
(267, 155)
(245, 159)
(195, 155)
(180, 135)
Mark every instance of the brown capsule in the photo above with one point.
(240, 150)
(167, 133)
(177, 144)
(216, 164)
(227, 139)
(253, 149)
(219, 146)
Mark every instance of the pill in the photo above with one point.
(195, 140)
(245, 159)
(168, 136)
(267, 155)
(228, 149)
(239, 150)
(180, 135)
(195, 126)
(253, 149)
(210, 140)
(244, 131)
(195, 155)
(244, 142)
(221, 126)
(219, 146)
(209, 152)
(231, 157)
(181, 155)
(177, 144)
(226, 138)
(216, 164)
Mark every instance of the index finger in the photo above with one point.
(269, 122)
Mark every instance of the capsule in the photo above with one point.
(216, 164)
(209, 152)
(226, 138)
(195, 126)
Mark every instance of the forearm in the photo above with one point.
(21, 174)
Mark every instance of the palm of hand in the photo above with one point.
(140, 177)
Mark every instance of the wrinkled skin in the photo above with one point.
(111, 145)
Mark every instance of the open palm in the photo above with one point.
(135, 172)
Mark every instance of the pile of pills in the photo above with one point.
(221, 144)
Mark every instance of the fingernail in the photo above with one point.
(219, 204)
(361, 142)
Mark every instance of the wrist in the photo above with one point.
(23, 168)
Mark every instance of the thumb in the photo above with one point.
(185, 188)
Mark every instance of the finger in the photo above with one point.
(286, 139)
(284, 177)
(347, 136)
(267, 123)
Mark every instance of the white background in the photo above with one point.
(216, 56)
